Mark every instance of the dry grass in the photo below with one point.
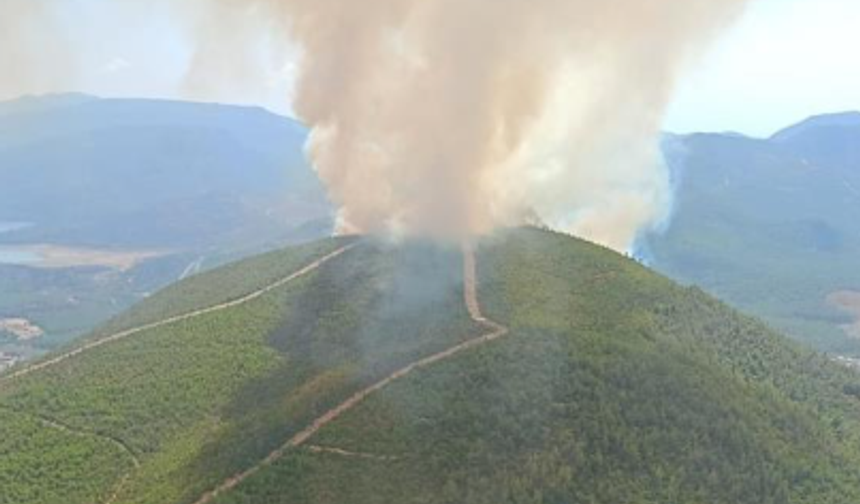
(55, 256)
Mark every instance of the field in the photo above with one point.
(54, 257)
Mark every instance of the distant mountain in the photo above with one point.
(193, 184)
(832, 141)
(767, 224)
(157, 174)
(771, 225)
(303, 377)
(35, 104)
(816, 125)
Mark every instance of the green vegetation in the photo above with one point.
(44, 463)
(770, 226)
(69, 302)
(204, 183)
(233, 281)
(202, 399)
(614, 386)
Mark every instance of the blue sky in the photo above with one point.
(783, 61)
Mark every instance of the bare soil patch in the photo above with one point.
(56, 257)
(21, 328)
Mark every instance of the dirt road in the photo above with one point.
(53, 424)
(470, 294)
(172, 320)
(116, 442)
(350, 454)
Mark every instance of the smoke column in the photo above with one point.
(33, 48)
(446, 117)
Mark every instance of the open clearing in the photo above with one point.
(56, 257)
(21, 328)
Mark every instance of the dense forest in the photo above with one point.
(614, 385)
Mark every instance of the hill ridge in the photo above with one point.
(372, 380)
(836, 119)
(470, 298)
(172, 320)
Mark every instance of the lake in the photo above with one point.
(19, 256)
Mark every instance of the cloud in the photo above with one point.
(116, 65)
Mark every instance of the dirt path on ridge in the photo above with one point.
(116, 442)
(53, 424)
(178, 318)
(470, 295)
(350, 454)
(136, 330)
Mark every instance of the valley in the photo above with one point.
(59, 257)
(768, 225)
(88, 184)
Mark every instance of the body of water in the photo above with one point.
(19, 256)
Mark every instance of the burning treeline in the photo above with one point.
(450, 117)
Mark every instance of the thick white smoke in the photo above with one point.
(450, 117)
(33, 48)
(454, 116)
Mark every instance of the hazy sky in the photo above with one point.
(785, 60)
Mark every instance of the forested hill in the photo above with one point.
(182, 186)
(602, 382)
(770, 225)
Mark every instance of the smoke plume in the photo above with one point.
(447, 117)
(33, 48)
(454, 116)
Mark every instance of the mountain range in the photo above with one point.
(167, 189)
(127, 196)
(154, 174)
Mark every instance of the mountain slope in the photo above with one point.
(816, 124)
(612, 385)
(187, 186)
(770, 225)
(102, 172)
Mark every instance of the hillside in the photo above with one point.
(188, 186)
(356, 371)
(770, 225)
